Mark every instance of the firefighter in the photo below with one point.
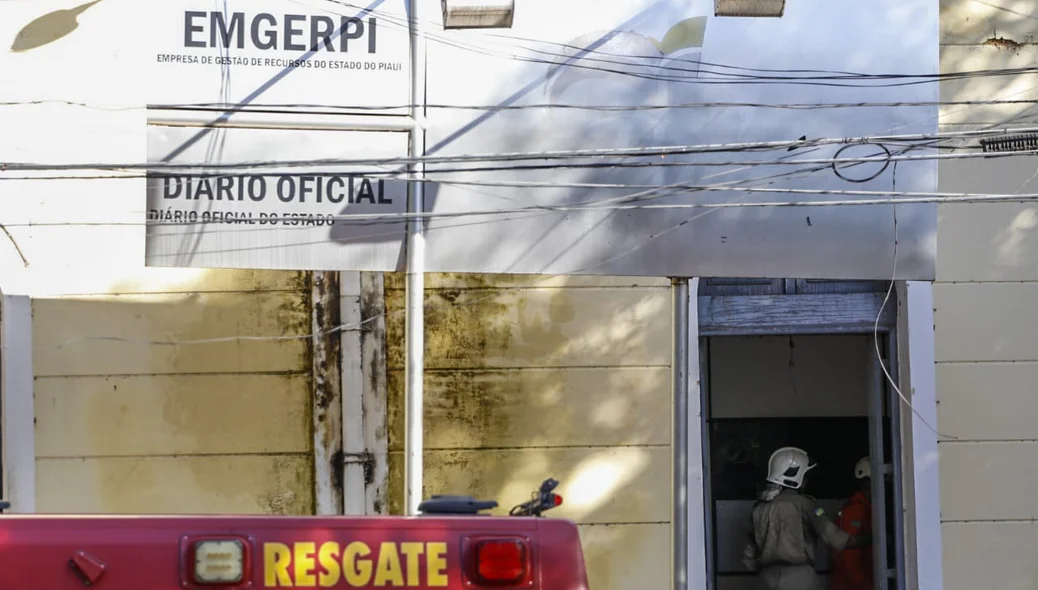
(852, 569)
(786, 526)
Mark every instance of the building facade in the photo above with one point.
(160, 389)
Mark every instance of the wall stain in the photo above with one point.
(282, 486)
(472, 409)
(289, 496)
(463, 325)
(1003, 43)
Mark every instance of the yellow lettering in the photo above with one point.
(412, 551)
(355, 568)
(388, 568)
(328, 557)
(436, 565)
(276, 559)
(304, 564)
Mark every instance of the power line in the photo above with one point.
(741, 78)
(902, 198)
(337, 109)
(256, 168)
(543, 155)
(385, 315)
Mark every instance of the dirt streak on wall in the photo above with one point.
(567, 378)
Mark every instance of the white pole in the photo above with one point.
(679, 434)
(415, 290)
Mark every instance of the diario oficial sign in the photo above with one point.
(326, 217)
(242, 52)
(294, 198)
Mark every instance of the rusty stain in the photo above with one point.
(461, 324)
(300, 281)
(464, 325)
(288, 496)
(373, 401)
(1001, 43)
(338, 461)
(325, 343)
(324, 348)
(470, 408)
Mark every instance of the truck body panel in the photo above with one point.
(65, 552)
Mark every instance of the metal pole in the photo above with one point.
(708, 493)
(679, 435)
(896, 478)
(879, 501)
(415, 289)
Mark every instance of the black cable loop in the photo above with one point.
(886, 162)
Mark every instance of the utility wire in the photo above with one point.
(340, 328)
(887, 199)
(257, 169)
(543, 155)
(583, 57)
(338, 109)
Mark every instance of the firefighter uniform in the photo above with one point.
(852, 569)
(786, 527)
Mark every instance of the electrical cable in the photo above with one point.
(356, 325)
(345, 109)
(875, 329)
(919, 78)
(886, 163)
(671, 150)
(310, 336)
(378, 218)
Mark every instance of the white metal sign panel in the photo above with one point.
(669, 73)
(278, 218)
(279, 53)
(652, 59)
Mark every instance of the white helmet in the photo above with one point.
(863, 468)
(788, 466)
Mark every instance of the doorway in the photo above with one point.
(820, 387)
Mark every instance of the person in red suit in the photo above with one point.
(852, 568)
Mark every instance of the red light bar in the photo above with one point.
(499, 562)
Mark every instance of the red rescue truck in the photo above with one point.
(450, 546)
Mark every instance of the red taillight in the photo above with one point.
(499, 562)
(558, 500)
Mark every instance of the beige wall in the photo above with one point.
(569, 379)
(986, 322)
(124, 426)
